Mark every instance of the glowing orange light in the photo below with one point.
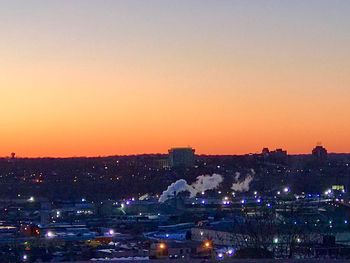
(207, 244)
(161, 245)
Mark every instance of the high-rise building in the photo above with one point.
(181, 157)
(278, 155)
(265, 152)
(320, 153)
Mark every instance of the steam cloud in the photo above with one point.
(243, 186)
(177, 187)
(202, 184)
(207, 182)
(144, 197)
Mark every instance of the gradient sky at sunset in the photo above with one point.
(225, 77)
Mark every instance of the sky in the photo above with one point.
(105, 77)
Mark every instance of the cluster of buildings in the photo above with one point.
(184, 157)
(212, 225)
(108, 208)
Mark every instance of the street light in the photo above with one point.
(162, 246)
(207, 244)
(50, 234)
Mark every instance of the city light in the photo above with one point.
(207, 244)
(162, 245)
(328, 192)
(50, 234)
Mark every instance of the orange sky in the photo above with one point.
(89, 79)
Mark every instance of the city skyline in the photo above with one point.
(86, 78)
(265, 150)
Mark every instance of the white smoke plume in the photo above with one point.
(177, 187)
(144, 197)
(207, 182)
(202, 184)
(237, 175)
(243, 186)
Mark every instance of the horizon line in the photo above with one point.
(139, 154)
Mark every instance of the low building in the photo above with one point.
(181, 250)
